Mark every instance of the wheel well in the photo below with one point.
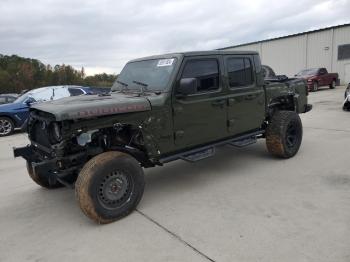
(285, 103)
(9, 117)
(125, 138)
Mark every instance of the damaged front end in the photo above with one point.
(59, 149)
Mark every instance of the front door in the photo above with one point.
(246, 99)
(201, 117)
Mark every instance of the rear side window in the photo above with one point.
(75, 91)
(240, 72)
(2, 100)
(323, 71)
(257, 64)
(206, 71)
(11, 99)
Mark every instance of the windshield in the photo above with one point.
(307, 72)
(151, 75)
(22, 98)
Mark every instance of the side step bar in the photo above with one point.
(203, 152)
(199, 155)
(244, 142)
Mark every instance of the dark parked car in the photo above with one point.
(7, 98)
(14, 115)
(317, 77)
(346, 104)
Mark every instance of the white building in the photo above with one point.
(327, 47)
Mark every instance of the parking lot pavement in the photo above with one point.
(240, 205)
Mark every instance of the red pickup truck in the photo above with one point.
(317, 77)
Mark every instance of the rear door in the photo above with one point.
(200, 118)
(246, 99)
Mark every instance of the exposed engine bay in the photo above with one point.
(62, 150)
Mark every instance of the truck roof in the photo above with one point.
(195, 53)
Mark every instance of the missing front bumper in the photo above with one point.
(60, 168)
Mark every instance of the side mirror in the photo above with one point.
(187, 86)
(30, 101)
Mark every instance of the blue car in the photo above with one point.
(15, 115)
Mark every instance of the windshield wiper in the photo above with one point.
(124, 86)
(143, 86)
(122, 83)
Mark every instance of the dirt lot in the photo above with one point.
(241, 205)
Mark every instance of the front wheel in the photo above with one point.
(284, 134)
(109, 186)
(6, 126)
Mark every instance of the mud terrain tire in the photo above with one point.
(109, 186)
(284, 134)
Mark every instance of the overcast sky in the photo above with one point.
(102, 35)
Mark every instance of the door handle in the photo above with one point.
(218, 103)
(249, 97)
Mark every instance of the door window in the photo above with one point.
(11, 99)
(323, 71)
(206, 71)
(75, 91)
(240, 72)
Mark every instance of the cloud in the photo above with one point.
(103, 35)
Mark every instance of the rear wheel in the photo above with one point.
(6, 126)
(284, 134)
(109, 186)
(42, 179)
(332, 85)
(315, 86)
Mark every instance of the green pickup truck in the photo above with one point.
(161, 108)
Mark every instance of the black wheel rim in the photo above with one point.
(115, 190)
(292, 135)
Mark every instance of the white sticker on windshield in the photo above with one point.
(165, 62)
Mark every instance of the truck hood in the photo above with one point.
(88, 106)
(306, 77)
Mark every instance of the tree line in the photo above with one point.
(18, 74)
